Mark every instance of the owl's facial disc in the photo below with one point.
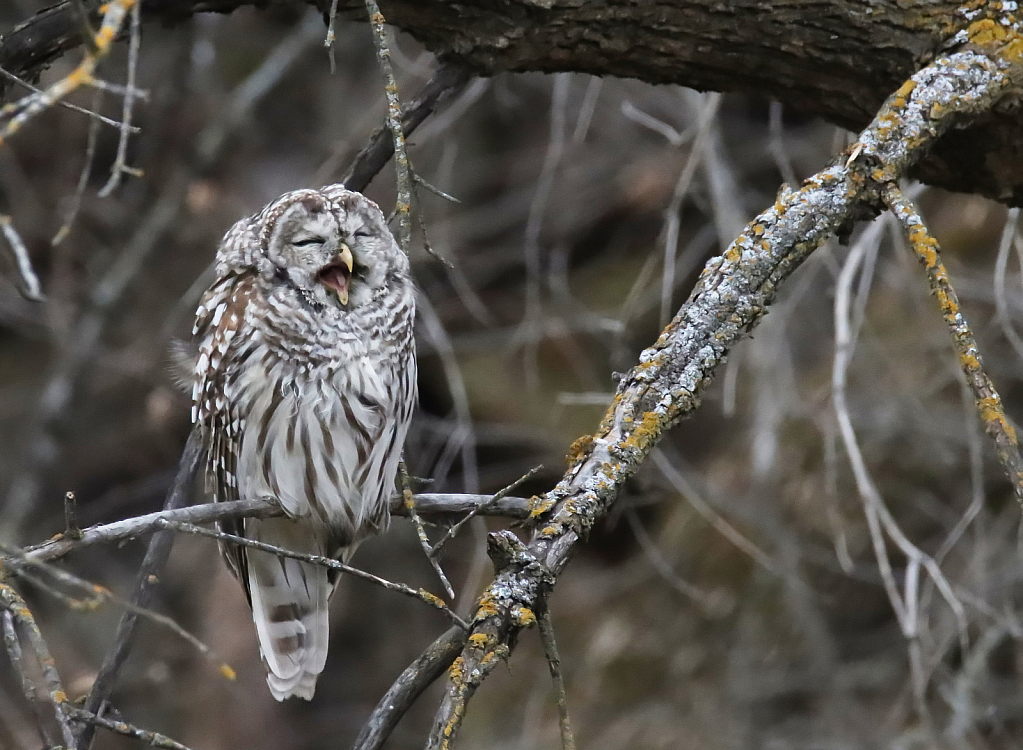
(337, 275)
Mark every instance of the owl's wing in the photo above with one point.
(220, 331)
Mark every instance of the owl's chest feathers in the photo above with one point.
(323, 408)
(303, 349)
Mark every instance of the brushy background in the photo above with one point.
(733, 600)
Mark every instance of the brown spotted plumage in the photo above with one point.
(304, 388)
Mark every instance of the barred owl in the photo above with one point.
(303, 390)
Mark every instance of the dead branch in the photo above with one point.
(153, 739)
(418, 676)
(732, 295)
(550, 649)
(11, 602)
(446, 82)
(326, 562)
(989, 403)
(443, 505)
(402, 168)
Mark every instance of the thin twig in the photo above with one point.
(880, 522)
(403, 204)
(91, 113)
(119, 90)
(550, 650)
(443, 504)
(989, 403)
(71, 527)
(453, 531)
(120, 166)
(372, 158)
(424, 540)
(329, 41)
(28, 107)
(153, 739)
(29, 286)
(327, 562)
(1009, 234)
(433, 189)
(96, 596)
(83, 177)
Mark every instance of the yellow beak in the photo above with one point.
(345, 256)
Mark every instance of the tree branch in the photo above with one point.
(130, 528)
(732, 295)
(838, 61)
(989, 403)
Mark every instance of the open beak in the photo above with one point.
(337, 275)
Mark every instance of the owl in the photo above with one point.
(303, 391)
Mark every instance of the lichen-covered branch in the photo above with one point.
(989, 403)
(11, 602)
(25, 109)
(729, 300)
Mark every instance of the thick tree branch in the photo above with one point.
(732, 295)
(837, 60)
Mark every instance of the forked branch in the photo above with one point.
(730, 298)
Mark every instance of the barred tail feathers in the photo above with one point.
(289, 607)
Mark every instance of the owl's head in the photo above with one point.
(332, 246)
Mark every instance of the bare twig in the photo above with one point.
(329, 41)
(443, 504)
(71, 528)
(905, 604)
(550, 650)
(371, 159)
(403, 204)
(989, 403)
(481, 508)
(424, 540)
(153, 739)
(1009, 236)
(29, 282)
(83, 177)
(25, 109)
(326, 562)
(120, 165)
(91, 113)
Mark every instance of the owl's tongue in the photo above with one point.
(336, 277)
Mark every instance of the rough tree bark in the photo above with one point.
(838, 59)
